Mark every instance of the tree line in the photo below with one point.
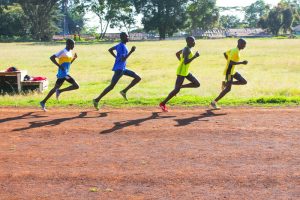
(41, 19)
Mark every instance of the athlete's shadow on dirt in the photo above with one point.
(29, 115)
(188, 121)
(55, 122)
(135, 122)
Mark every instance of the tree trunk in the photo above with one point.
(103, 35)
(162, 28)
(162, 33)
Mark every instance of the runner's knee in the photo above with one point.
(197, 84)
(56, 86)
(76, 86)
(111, 86)
(228, 88)
(176, 90)
(138, 78)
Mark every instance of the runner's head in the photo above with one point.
(190, 41)
(124, 37)
(70, 44)
(241, 43)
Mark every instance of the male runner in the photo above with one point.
(233, 57)
(185, 58)
(65, 59)
(119, 69)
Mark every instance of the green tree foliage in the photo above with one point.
(203, 14)
(280, 17)
(111, 13)
(294, 7)
(164, 16)
(274, 20)
(254, 12)
(12, 21)
(262, 22)
(74, 17)
(5, 3)
(287, 20)
(126, 19)
(230, 21)
(42, 17)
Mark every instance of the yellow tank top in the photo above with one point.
(233, 55)
(183, 69)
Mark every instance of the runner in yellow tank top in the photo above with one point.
(185, 58)
(233, 58)
(183, 69)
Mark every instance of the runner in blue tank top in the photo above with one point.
(119, 69)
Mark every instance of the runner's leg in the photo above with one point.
(57, 85)
(116, 77)
(136, 79)
(74, 85)
(239, 78)
(177, 88)
(194, 82)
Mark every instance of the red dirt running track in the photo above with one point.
(234, 153)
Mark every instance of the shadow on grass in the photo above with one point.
(55, 122)
(136, 122)
(29, 115)
(187, 121)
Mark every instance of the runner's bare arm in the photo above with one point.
(245, 62)
(74, 58)
(186, 53)
(124, 58)
(52, 58)
(111, 51)
(178, 53)
(225, 55)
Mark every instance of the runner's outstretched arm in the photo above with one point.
(245, 62)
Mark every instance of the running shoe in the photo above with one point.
(57, 93)
(214, 105)
(96, 104)
(43, 106)
(123, 95)
(163, 107)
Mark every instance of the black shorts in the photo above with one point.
(229, 78)
(180, 79)
(67, 78)
(119, 73)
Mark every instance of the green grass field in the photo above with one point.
(272, 73)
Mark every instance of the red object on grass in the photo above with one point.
(38, 78)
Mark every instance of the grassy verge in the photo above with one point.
(272, 73)
(184, 101)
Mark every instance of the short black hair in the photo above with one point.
(242, 41)
(122, 34)
(70, 41)
(189, 38)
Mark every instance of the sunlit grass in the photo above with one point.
(273, 71)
